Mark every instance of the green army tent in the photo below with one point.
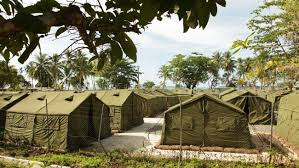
(288, 118)
(149, 103)
(123, 112)
(7, 100)
(258, 109)
(66, 121)
(206, 121)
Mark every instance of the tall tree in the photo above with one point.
(121, 75)
(67, 68)
(149, 84)
(42, 70)
(82, 70)
(228, 67)
(55, 68)
(189, 70)
(30, 70)
(165, 74)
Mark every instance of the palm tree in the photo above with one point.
(67, 68)
(240, 67)
(82, 69)
(228, 67)
(164, 73)
(30, 70)
(217, 59)
(42, 70)
(56, 65)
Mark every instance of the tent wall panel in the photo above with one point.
(19, 127)
(51, 131)
(288, 119)
(7, 100)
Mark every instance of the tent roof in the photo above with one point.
(57, 103)
(146, 95)
(148, 92)
(114, 97)
(165, 92)
(227, 91)
(8, 98)
(182, 91)
(238, 93)
(211, 97)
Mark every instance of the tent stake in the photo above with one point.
(181, 133)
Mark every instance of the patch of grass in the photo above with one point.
(119, 159)
(9, 165)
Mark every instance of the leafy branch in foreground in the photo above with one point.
(92, 26)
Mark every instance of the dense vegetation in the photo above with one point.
(274, 42)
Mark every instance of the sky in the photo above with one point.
(163, 39)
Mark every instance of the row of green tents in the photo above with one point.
(69, 120)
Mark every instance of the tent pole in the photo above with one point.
(100, 129)
(48, 131)
(271, 136)
(181, 133)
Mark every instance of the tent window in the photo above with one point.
(226, 123)
(51, 124)
(18, 121)
(187, 122)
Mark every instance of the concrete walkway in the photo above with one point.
(144, 136)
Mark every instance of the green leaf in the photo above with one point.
(116, 52)
(101, 63)
(185, 25)
(213, 7)
(202, 11)
(127, 45)
(87, 7)
(6, 55)
(42, 6)
(93, 58)
(237, 50)
(192, 20)
(6, 7)
(34, 43)
(60, 31)
(221, 2)
(102, 40)
(148, 11)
